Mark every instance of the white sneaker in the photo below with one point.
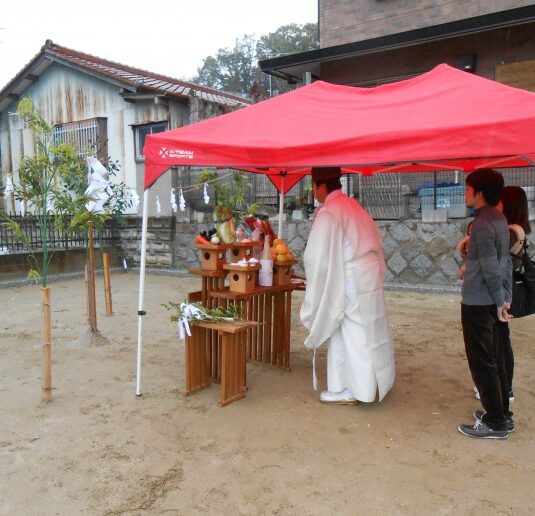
(344, 397)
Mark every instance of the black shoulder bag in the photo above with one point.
(523, 288)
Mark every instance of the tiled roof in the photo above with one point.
(133, 80)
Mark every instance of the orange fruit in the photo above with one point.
(278, 241)
(273, 253)
(281, 249)
(283, 258)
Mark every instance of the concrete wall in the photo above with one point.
(415, 252)
(345, 21)
(16, 266)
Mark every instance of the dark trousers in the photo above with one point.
(485, 352)
(505, 336)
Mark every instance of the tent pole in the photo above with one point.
(140, 311)
(281, 207)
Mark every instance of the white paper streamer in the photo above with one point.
(98, 186)
(189, 312)
(135, 199)
(182, 201)
(174, 207)
(9, 189)
(49, 205)
(158, 206)
(205, 193)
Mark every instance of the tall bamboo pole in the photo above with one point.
(107, 282)
(87, 293)
(92, 295)
(46, 332)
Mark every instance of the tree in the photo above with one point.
(230, 70)
(237, 70)
(52, 184)
(40, 186)
(286, 40)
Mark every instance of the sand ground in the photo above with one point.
(98, 449)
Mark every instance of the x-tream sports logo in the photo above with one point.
(167, 153)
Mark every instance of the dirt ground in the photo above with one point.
(99, 449)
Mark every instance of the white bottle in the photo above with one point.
(265, 276)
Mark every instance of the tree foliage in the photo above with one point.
(51, 184)
(236, 70)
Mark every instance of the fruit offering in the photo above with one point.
(280, 252)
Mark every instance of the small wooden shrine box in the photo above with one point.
(240, 250)
(242, 279)
(282, 272)
(213, 256)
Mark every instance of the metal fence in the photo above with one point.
(398, 196)
(58, 239)
(386, 196)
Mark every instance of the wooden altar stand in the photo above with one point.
(215, 353)
(233, 358)
(271, 307)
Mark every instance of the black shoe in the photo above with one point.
(481, 431)
(478, 414)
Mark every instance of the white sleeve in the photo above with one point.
(323, 307)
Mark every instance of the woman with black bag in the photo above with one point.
(514, 206)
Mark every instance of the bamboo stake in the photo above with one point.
(107, 282)
(46, 332)
(92, 299)
(87, 295)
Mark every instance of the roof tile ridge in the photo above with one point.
(52, 47)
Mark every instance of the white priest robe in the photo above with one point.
(344, 299)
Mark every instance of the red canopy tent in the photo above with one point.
(444, 119)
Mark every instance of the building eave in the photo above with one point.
(293, 67)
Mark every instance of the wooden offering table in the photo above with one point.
(233, 358)
(270, 307)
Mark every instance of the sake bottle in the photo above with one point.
(265, 276)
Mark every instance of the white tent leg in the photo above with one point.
(140, 312)
(281, 207)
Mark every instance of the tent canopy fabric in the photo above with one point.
(443, 119)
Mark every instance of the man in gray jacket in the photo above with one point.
(486, 298)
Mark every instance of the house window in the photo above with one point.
(88, 137)
(141, 132)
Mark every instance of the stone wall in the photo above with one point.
(416, 253)
(160, 241)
